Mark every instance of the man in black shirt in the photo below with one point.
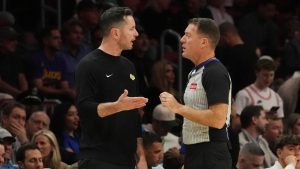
(106, 85)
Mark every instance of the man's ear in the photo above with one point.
(115, 32)
(204, 42)
(278, 152)
(254, 119)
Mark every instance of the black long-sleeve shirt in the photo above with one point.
(102, 78)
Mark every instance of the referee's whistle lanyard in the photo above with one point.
(195, 69)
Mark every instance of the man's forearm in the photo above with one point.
(107, 109)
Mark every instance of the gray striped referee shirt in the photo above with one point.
(209, 83)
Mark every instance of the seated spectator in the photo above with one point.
(48, 68)
(287, 151)
(153, 150)
(274, 131)
(162, 122)
(12, 77)
(65, 127)
(13, 120)
(73, 48)
(253, 121)
(38, 120)
(2, 153)
(9, 155)
(29, 157)
(293, 124)
(47, 144)
(251, 156)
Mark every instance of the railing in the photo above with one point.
(4, 5)
(162, 52)
(46, 8)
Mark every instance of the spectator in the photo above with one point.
(288, 152)
(38, 120)
(291, 53)
(73, 48)
(162, 122)
(253, 121)
(290, 94)
(12, 77)
(293, 124)
(2, 153)
(49, 68)
(251, 156)
(29, 157)
(259, 92)
(153, 149)
(47, 144)
(274, 131)
(88, 13)
(66, 129)
(237, 57)
(13, 119)
(9, 155)
(258, 29)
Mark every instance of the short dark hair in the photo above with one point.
(291, 139)
(46, 32)
(247, 113)
(208, 27)
(113, 16)
(7, 110)
(20, 156)
(265, 64)
(150, 138)
(67, 27)
(85, 5)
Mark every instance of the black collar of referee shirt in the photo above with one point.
(213, 59)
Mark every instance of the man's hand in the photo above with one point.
(122, 104)
(19, 131)
(128, 103)
(169, 101)
(291, 159)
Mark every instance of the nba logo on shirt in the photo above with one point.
(193, 86)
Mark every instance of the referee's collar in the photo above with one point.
(213, 59)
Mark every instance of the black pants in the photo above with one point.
(96, 164)
(208, 155)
